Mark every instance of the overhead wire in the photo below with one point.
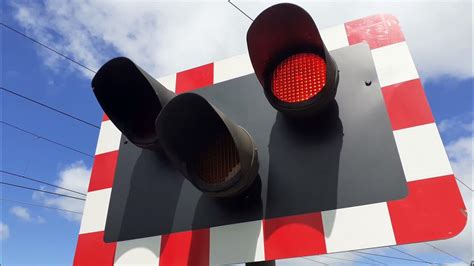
(40, 181)
(46, 139)
(241, 11)
(449, 254)
(37, 205)
(47, 47)
(410, 255)
(368, 258)
(40, 190)
(42, 137)
(313, 260)
(460, 181)
(387, 256)
(49, 107)
(336, 258)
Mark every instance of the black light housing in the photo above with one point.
(212, 152)
(132, 99)
(298, 75)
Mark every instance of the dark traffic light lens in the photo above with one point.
(219, 161)
(216, 155)
(132, 99)
(299, 77)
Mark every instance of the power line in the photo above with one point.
(49, 107)
(460, 181)
(336, 258)
(38, 205)
(47, 47)
(46, 139)
(410, 255)
(368, 258)
(386, 256)
(313, 260)
(40, 181)
(241, 11)
(40, 190)
(451, 255)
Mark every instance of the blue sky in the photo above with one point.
(156, 37)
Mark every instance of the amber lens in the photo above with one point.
(299, 77)
(219, 161)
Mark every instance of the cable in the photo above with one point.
(241, 11)
(46, 139)
(45, 191)
(468, 187)
(49, 107)
(39, 181)
(451, 255)
(386, 256)
(368, 258)
(38, 205)
(315, 261)
(47, 47)
(408, 254)
(335, 258)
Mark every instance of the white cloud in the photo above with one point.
(21, 213)
(75, 177)
(165, 37)
(460, 154)
(457, 126)
(458, 131)
(4, 231)
(25, 215)
(40, 220)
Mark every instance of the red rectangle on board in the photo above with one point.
(407, 105)
(92, 250)
(194, 78)
(103, 171)
(294, 236)
(433, 209)
(185, 248)
(377, 31)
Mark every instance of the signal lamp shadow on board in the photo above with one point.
(298, 75)
(132, 99)
(212, 152)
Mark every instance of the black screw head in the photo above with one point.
(368, 82)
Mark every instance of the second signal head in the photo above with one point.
(297, 73)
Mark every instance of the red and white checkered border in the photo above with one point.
(433, 209)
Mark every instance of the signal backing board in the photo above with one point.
(398, 203)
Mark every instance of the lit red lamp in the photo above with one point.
(298, 75)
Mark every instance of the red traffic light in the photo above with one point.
(298, 75)
(299, 78)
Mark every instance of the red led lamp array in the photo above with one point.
(299, 78)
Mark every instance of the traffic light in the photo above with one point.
(298, 75)
(217, 156)
(212, 152)
(132, 99)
